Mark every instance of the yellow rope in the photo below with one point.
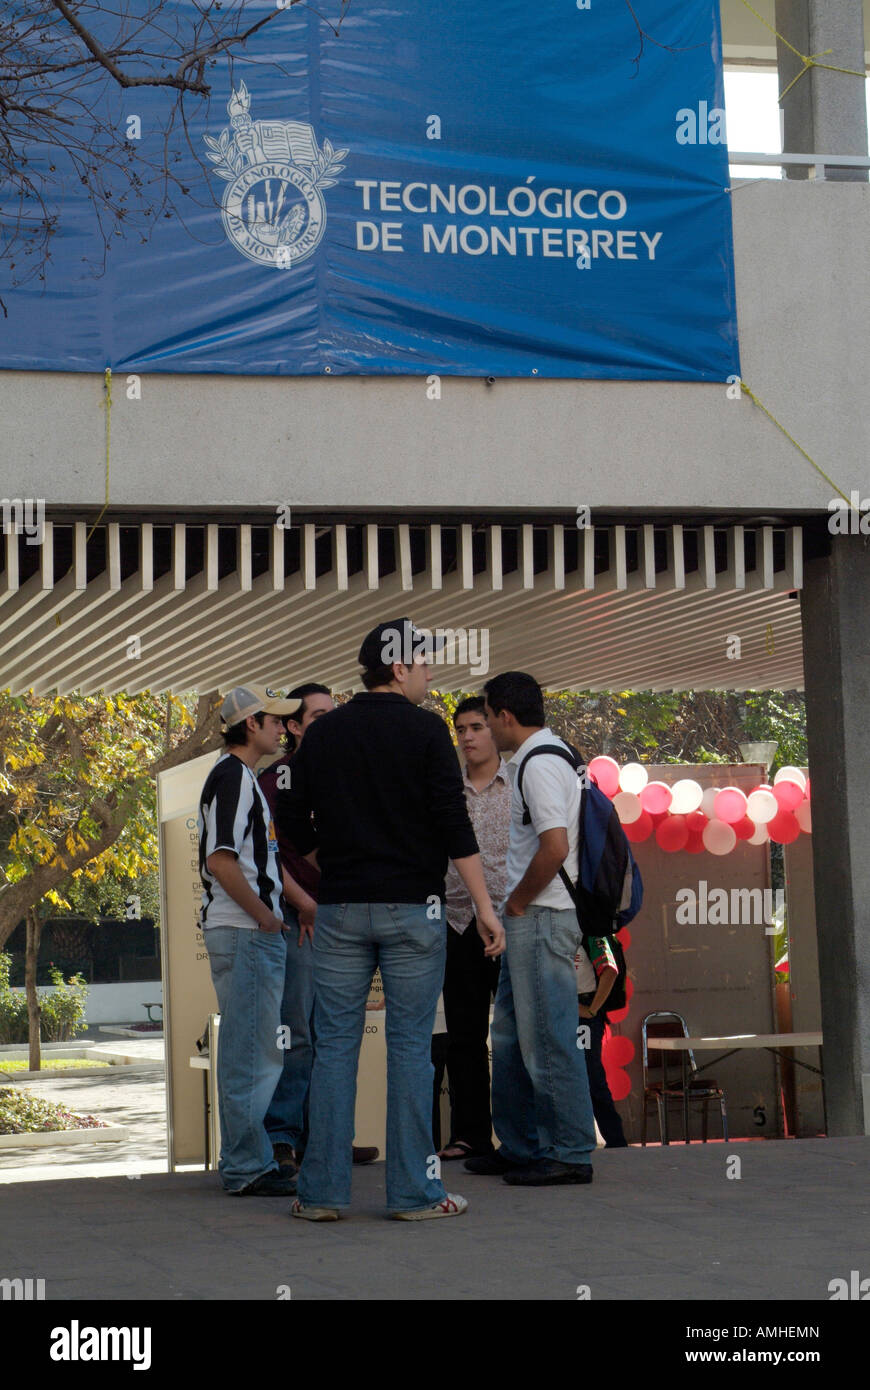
(755, 401)
(107, 383)
(809, 60)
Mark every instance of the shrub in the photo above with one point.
(62, 1012)
(23, 1113)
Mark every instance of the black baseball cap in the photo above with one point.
(398, 640)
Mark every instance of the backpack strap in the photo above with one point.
(567, 752)
(571, 756)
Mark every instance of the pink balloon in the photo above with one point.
(639, 829)
(730, 805)
(606, 773)
(807, 789)
(672, 834)
(803, 816)
(655, 797)
(783, 828)
(788, 795)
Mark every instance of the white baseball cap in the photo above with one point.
(245, 700)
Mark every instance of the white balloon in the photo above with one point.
(762, 806)
(628, 807)
(791, 774)
(718, 837)
(804, 817)
(708, 800)
(633, 778)
(760, 837)
(687, 796)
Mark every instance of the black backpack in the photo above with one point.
(609, 889)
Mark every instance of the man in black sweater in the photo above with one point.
(381, 779)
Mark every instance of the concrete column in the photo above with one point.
(836, 637)
(825, 111)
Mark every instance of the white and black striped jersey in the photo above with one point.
(234, 815)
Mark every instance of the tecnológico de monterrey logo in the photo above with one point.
(273, 209)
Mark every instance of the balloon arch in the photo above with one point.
(687, 817)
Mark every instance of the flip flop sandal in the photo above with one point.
(465, 1151)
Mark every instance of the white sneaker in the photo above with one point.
(313, 1213)
(451, 1205)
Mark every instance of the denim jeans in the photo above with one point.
(247, 969)
(350, 941)
(286, 1116)
(540, 1090)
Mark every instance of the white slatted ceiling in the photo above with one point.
(623, 629)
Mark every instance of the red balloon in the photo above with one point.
(788, 795)
(696, 821)
(658, 816)
(639, 829)
(672, 834)
(623, 936)
(617, 1051)
(783, 828)
(744, 828)
(619, 1083)
(807, 789)
(695, 843)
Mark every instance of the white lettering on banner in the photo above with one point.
(571, 242)
(523, 201)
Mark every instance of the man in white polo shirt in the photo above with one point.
(542, 1112)
(243, 927)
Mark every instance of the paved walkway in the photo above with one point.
(132, 1095)
(656, 1223)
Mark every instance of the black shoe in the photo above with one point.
(549, 1173)
(491, 1165)
(286, 1159)
(364, 1155)
(269, 1185)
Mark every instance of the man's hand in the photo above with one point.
(306, 921)
(491, 932)
(271, 924)
(585, 1011)
(511, 909)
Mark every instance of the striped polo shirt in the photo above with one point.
(234, 815)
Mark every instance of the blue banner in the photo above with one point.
(496, 189)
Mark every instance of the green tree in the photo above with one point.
(78, 798)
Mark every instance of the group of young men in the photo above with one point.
(331, 865)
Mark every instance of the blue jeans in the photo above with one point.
(247, 969)
(285, 1118)
(541, 1107)
(350, 941)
